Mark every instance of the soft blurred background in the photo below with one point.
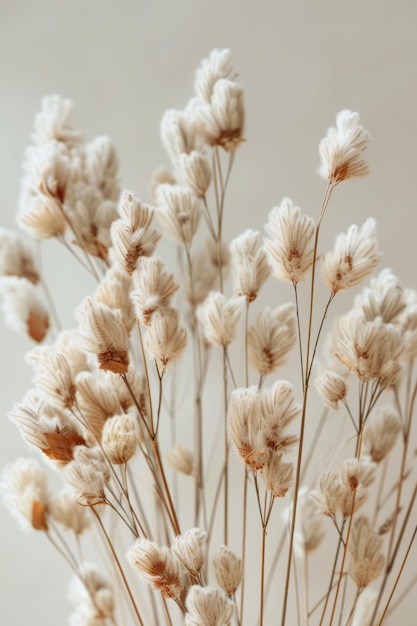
(123, 64)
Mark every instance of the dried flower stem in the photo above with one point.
(308, 366)
(397, 578)
(198, 415)
(119, 566)
(173, 515)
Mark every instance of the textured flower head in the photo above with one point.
(341, 149)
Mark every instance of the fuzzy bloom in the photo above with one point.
(370, 350)
(190, 550)
(43, 219)
(355, 473)
(331, 387)
(271, 338)
(131, 234)
(335, 496)
(101, 167)
(101, 332)
(181, 460)
(120, 437)
(160, 176)
(88, 475)
(367, 561)
(289, 245)
(309, 527)
(193, 171)
(158, 566)
(52, 123)
(16, 257)
(384, 298)
(219, 318)
(380, 432)
(221, 122)
(277, 475)
(97, 401)
(228, 570)
(91, 590)
(279, 409)
(341, 149)
(114, 291)
(177, 134)
(71, 515)
(250, 264)
(178, 211)
(207, 606)
(54, 377)
(165, 339)
(408, 326)
(217, 66)
(244, 420)
(24, 310)
(23, 488)
(91, 218)
(205, 263)
(354, 257)
(56, 437)
(153, 288)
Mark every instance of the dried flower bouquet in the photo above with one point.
(111, 394)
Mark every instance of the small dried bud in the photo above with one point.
(271, 338)
(190, 550)
(177, 134)
(289, 246)
(219, 318)
(88, 475)
(221, 122)
(341, 149)
(250, 264)
(366, 559)
(23, 488)
(16, 257)
(165, 339)
(380, 433)
(354, 257)
(193, 171)
(101, 332)
(385, 298)
(131, 234)
(178, 211)
(207, 607)
(228, 570)
(277, 475)
(370, 350)
(71, 515)
(331, 387)
(120, 438)
(43, 219)
(158, 567)
(181, 460)
(153, 288)
(217, 66)
(24, 310)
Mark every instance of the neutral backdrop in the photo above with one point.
(123, 64)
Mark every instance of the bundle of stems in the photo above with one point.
(203, 472)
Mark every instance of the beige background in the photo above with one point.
(123, 64)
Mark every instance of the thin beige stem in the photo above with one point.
(244, 527)
(308, 366)
(166, 488)
(119, 566)
(261, 607)
(398, 576)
